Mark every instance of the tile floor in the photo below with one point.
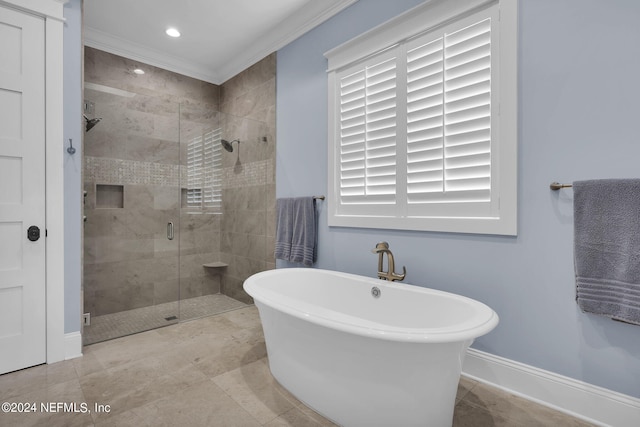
(207, 372)
(129, 322)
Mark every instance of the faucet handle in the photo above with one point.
(396, 276)
(382, 246)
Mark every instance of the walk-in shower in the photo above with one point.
(173, 226)
(153, 176)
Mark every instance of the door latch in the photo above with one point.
(33, 233)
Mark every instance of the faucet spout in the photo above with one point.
(381, 249)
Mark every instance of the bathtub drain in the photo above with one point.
(375, 291)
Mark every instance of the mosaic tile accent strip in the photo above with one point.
(120, 172)
(116, 171)
(248, 174)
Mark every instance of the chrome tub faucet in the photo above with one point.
(381, 249)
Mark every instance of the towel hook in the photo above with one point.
(70, 149)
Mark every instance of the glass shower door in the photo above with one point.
(201, 266)
(132, 208)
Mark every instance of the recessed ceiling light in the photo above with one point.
(138, 71)
(172, 32)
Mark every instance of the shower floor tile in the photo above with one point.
(129, 322)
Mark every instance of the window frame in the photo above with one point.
(397, 34)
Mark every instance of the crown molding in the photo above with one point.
(293, 27)
(137, 52)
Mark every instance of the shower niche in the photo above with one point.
(165, 201)
(109, 196)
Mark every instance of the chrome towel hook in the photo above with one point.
(70, 149)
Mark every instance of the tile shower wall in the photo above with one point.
(247, 102)
(134, 154)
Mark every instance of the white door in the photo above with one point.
(22, 191)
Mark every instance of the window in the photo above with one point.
(423, 131)
(204, 173)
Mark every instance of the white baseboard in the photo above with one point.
(72, 345)
(579, 399)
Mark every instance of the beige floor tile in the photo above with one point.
(253, 388)
(129, 348)
(138, 383)
(210, 372)
(466, 415)
(229, 357)
(212, 328)
(294, 418)
(124, 419)
(203, 404)
(57, 405)
(315, 416)
(36, 378)
(245, 317)
(517, 410)
(88, 363)
(464, 386)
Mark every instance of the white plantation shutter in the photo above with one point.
(367, 129)
(212, 167)
(425, 121)
(204, 173)
(194, 173)
(467, 104)
(449, 116)
(418, 139)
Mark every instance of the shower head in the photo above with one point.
(228, 145)
(90, 123)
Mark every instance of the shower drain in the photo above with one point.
(170, 318)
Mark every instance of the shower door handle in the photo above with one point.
(170, 231)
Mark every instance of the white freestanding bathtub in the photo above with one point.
(361, 360)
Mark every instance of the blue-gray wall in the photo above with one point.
(579, 89)
(72, 164)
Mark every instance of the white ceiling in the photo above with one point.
(220, 38)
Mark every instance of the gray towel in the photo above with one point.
(303, 239)
(284, 228)
(296, 230)
(607, 247)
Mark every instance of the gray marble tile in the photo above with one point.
(166, 291)
(33, 379)
(466, 415)
(232, 287)
(123, 296)
(203, 404)
(115, 71)
(297, 418)
(253, 387)
(134, 384)
(150, 149)
(464, 386)
(211, 372)
(69, 392)
(215, 359)
(502, 405)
